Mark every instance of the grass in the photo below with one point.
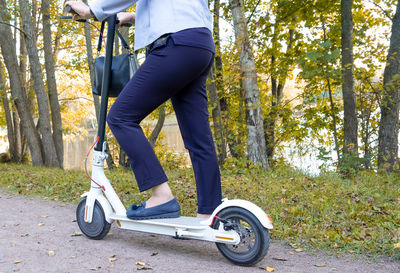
(358, 215)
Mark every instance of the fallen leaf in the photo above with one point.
(72, 257)
(44, 216)
(40, 224)
(320, 265)
(112, 259)
(13, 245)
(25, 235)
(140, 263)
(17, 262)
(270, 269)
(299, 249)
(145, 267)
(396, 245)
(153, 235)
(111, 266)
(51, 253)
(279, 258)
(95, 268)
(73, 221)
(154, 253)
(291, 253)
(76, 234)
(109, 234)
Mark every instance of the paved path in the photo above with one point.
(36, 235)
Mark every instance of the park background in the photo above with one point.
(303, 100)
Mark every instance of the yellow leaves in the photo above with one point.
(41, 224)
(143, 266)
(299, 249)
(112, 258)
(270, 269)
(51, 253)
(17, 262)
(396, 245)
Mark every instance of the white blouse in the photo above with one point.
(157, 17)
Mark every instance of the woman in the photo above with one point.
(178, 35)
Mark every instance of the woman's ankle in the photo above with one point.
(160, 195)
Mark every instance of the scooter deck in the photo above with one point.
(183, 222)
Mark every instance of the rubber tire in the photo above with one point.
(99, 227)
(261, 238)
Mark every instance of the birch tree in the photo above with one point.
(256, 149)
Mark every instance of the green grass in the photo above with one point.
(358, 215)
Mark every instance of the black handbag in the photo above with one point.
(123, 68)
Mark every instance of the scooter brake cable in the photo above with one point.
(87, 173)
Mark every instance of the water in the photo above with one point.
(75, 151)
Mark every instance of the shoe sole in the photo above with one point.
(174, 214)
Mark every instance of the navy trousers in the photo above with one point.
(178, 73)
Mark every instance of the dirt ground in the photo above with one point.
(38, 235)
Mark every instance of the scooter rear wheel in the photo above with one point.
(254, 237)
(99, 227)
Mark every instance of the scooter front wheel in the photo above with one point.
(99, 227)
(254, 237)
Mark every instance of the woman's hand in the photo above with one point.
(82, 10)
(126, 18)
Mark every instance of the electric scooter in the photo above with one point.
(238, 227)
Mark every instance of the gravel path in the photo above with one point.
(38, 235)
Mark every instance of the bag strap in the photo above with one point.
(124, 43)
(101, 36)
(100, 42)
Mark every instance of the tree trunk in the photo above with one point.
(216, 116)
(49, 149)
(256, 150)
(12, 140)
(389, 123)
(215, 90)
(89, 53)
(17, 87)
(219, 79)
(51, 83)
(349, 99)
(157, 129)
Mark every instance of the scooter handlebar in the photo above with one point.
(68, 9)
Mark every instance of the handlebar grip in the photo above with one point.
(68, 9)
(124, 25)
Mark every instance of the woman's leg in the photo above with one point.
(191, 109)
(165, 71)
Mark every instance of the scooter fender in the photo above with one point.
(253, 208)
(90, 205)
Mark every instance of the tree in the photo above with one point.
(51, 83)
(48, 146)
(7, 44)
(349, 100)
(390, 100)
(256, 150)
